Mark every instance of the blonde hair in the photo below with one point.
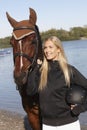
(62, 62)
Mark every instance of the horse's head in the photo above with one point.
(26, 45)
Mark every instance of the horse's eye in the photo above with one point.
(34, 41)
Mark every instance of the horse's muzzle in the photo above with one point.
(21, 79)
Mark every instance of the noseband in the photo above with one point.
(31, 59)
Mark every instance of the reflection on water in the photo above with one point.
(9, 96)
(10, 99)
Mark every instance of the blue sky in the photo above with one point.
(50, 13)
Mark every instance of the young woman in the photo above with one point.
(51, 80)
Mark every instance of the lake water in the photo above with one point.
(76, 52)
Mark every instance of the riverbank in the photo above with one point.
(13, 121)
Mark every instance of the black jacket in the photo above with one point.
(54, 108)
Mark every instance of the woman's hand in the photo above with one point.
(72, 106)
(39, 62)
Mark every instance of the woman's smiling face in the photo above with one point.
(51, 51)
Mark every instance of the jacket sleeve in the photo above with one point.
(33, 81)
(79, 79)
(80, 108)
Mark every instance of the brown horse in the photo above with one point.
(27, 47)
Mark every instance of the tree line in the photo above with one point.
(75, 33)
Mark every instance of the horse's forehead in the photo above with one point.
(19, 34)
(24, 23)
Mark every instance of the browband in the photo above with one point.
(24, 27)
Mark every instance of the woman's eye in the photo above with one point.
(44, 48)
(50, 47)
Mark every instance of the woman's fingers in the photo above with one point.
(72, 106)
(39, 61)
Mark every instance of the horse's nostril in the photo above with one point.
(22, 75)
(21, 79)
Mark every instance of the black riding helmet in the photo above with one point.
(76, 95)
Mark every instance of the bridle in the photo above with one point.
(32, 60)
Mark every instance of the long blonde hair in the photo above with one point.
(62, 62)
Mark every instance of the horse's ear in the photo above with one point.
(12, 21)
(33, 16)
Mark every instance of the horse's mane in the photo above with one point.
(40, 53)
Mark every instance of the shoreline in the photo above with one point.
(15, 121)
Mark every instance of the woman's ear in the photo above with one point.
(58, 50)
